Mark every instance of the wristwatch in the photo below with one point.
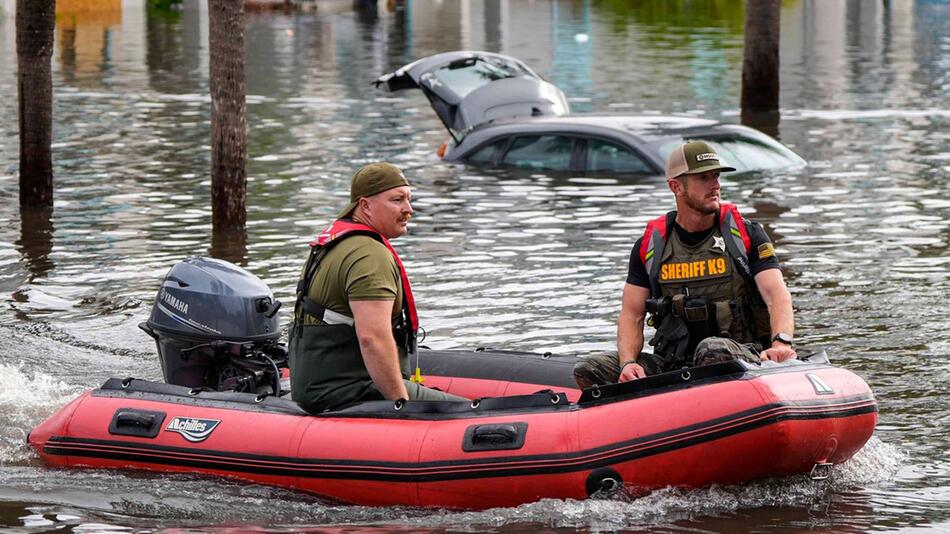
(782, 337)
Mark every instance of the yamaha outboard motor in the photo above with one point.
(216, 327)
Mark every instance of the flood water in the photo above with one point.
(507, 260)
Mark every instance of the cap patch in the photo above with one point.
(706, 155)
(766, 250)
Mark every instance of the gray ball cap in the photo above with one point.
(371, 180)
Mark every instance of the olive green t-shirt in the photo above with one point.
(358, 268)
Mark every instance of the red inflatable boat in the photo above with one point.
(724, 423)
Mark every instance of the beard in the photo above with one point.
(705, 209)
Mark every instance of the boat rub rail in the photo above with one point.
(543, 401)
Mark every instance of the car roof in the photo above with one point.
(650, 135)
(646, 129)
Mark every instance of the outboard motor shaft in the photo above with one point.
(216, 326)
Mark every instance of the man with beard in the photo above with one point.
(355, 319)
(708, 278)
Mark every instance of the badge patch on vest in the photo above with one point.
(719, 242)
(766, 250)
(694, 270)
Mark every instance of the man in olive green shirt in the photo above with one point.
(355, 319)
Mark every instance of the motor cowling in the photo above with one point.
(207, 313)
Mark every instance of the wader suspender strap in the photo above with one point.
(310, 306)
(408, 321)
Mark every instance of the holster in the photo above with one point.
(671, 340)
(724, 317)
(404, 336)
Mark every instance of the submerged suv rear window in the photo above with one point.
(464, 77)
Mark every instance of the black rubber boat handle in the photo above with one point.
(495, 437)
(141, 420)
(133, 422)
(494, 434)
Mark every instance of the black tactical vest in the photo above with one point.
(707, 290)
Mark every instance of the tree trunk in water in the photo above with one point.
(228, 126)
(36, 239)
(35, 21)
(760, 65)
(229, 244)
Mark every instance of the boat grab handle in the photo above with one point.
(132, 422)
(495, 437)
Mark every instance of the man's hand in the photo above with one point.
(778, 354)
(631, 371)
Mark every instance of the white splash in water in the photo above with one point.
(24, 402)
(190, 499)
(875, 463)
(35, 520)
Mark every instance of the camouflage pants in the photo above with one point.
(604, 368)
(722, 349)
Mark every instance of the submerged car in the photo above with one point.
(500, 113)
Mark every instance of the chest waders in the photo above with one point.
(327, 368)
(703, 290)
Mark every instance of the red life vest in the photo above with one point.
(731, 225)
(342, 228)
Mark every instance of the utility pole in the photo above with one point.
(760, 65)
(35, 22)
(228, 125)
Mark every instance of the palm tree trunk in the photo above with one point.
(760, 65)
(228, 126)
(35, 22)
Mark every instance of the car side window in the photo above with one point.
(604, 156)
(549, 152)
(486, 154)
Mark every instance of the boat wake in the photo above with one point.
(219, 504)
(25, 400)
(876, 463)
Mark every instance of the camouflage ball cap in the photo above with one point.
(372, 179)
(693, 157)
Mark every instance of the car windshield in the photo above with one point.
(464, 77)
(743, 154)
